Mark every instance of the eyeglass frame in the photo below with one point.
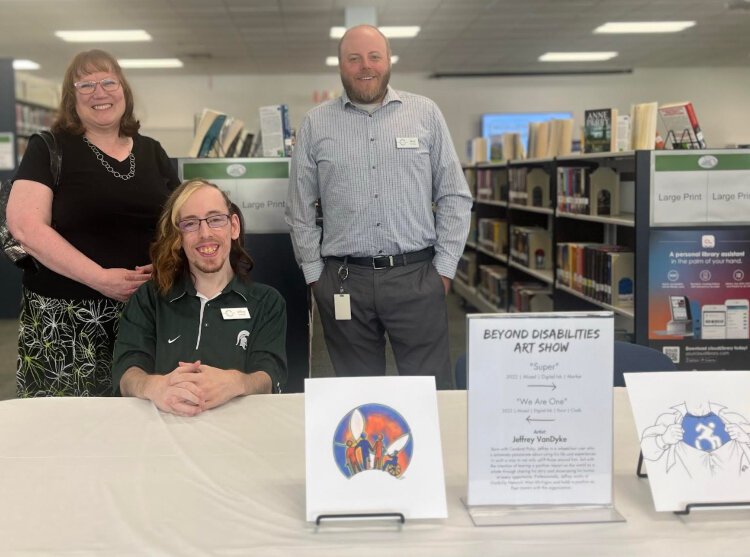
(226, 217)
(79, 84)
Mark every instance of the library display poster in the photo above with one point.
(372, 445)
(257, 186)
(540, 414)
(694, 435)
(699, 297)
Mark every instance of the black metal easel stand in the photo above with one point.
(686, 140)
(360, 516)
(639, 470)
(692, 506)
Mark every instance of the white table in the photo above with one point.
(117, 477)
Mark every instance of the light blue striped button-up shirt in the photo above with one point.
(376, 197)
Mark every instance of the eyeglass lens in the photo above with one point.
(88, 87)
(214, 221)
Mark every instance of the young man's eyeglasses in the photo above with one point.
(87, 87)
(214, 221)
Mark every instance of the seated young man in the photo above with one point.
(200, 333)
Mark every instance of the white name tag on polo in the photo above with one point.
(407, 143)
(235, 313)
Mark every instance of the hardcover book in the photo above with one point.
(643, 121)
(681, 127)
(207, 132)
(600, 130)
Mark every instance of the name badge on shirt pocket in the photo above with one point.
(235, 313)
(407, 143)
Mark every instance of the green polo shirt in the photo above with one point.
(157, 332)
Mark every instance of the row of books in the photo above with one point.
(30, 119)
(493, 284)
(491, 185)
(531, 296)
(473, 231)
(553, 138)
(531, 246)
(529, 187)
(599, 271)
(219, 135)
(470, 174)
(605, 130)
(507, 146)
(493, 234)
(582, 191)
(466, 270)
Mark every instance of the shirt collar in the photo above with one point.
(185, 286)
(391, 95)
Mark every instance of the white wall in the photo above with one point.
(166, 105)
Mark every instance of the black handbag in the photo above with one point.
(11, 248)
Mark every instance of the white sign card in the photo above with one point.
(372, 445)
(694, 431)
(540, 409)
(257, 186)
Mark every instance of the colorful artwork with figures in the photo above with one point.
(373, 437)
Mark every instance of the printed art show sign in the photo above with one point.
(540, 414)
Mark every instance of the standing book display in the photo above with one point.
(540, 418)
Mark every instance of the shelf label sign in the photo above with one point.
(257, 186)
(6, 151)
(691, 189)
(540, 408)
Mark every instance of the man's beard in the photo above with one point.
(366, 98)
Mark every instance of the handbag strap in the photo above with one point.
(55, 156)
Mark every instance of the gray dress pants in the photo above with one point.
(407, 302)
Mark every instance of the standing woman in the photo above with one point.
(89, 234)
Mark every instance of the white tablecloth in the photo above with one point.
(115, 476)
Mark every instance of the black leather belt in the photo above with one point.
(387, 261)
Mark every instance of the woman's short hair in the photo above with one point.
(88, 62)
(170, 262)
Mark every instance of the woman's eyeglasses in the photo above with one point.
(88, 87)
(214, 221)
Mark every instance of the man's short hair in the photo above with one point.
(387, 42)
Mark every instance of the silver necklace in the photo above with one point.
(105, 164)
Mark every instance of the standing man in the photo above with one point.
(378, 159)
(200, 333)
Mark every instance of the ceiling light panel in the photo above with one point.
(111, 36)
(149, 63)
(576, 56)
(25, 65)
(334, 60)
(644, 26)
(392, 32)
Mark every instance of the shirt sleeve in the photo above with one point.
(450, 193)
(35, 165)
(136, 339)
(304, 191)
(268, 349)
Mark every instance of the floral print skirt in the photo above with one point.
(65, 346)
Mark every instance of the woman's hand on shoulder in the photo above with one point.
(119, 284)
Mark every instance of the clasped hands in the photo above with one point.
(193, 387)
